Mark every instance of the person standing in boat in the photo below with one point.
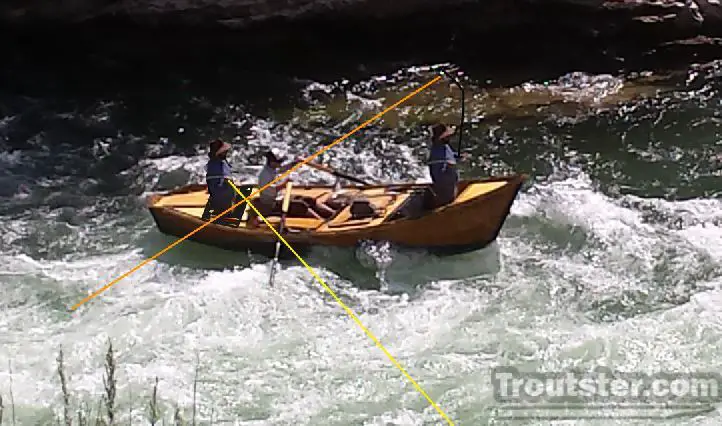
(218, 170)
(442, 166)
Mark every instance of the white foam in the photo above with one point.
(291, 355)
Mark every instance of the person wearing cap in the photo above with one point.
(217, 171)
(442, 165)
(267, 201)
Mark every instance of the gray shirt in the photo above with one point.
(266, 176)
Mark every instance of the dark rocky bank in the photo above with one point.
(505, 31)
(658, 18)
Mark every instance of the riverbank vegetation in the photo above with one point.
(106, 410)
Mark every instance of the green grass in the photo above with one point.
(106, 411)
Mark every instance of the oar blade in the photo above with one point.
(284, 210)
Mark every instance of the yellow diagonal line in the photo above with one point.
(346, 308)
(188, 235)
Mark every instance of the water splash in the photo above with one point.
(377, 256)
(580, 87)
(588, 277)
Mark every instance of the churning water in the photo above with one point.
(611, 255)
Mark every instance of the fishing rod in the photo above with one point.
(461, 121)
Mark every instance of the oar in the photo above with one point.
(336, 173)
(284, 210)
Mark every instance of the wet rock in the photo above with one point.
(657, 19)
(95, 45)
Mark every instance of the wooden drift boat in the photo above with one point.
(472, 221)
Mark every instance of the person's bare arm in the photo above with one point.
(282, 183)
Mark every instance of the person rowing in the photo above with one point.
(270, 199)
(267, 201)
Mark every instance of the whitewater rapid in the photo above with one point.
(580, 276)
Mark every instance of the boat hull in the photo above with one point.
(471, 222)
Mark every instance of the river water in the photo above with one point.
(611, 256)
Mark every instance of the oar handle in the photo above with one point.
(287, 197)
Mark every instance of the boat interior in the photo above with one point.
(348, 208)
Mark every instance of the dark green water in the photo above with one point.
(611, 256)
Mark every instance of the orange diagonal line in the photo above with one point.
(311, 157)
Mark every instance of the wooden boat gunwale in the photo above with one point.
(263, 235)
(195, 187)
